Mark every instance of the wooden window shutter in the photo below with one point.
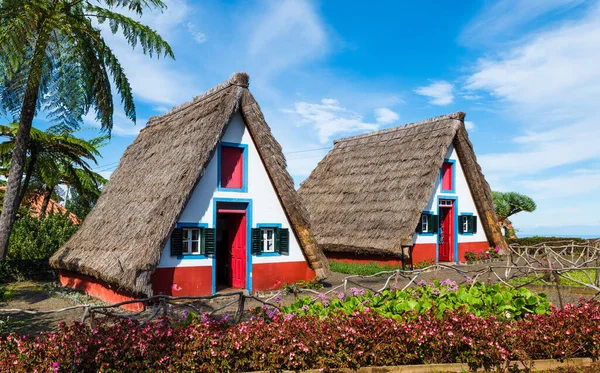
(177, 242)
(434, 225)
(284, 241)
(420, 225)
(209, 241)
(256, 241)
(473, 224)
(461, 225)
(278, 240)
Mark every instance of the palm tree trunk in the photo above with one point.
(46, 201)
(28, 174)
(17, 164)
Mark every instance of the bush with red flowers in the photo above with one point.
(295, 342)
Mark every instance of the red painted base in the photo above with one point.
(424, 252)
(98, 289)
(182, 281)
(270, 276)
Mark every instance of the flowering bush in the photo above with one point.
(477, 298)
(360, 339)
(473, 256)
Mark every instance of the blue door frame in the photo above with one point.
(248, 203)
(455, 217)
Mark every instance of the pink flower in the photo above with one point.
(176, 287)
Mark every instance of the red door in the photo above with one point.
(237, 237)
(446, 233)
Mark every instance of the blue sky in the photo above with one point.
(525, 72)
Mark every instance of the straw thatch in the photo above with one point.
(121, 240)
(367, 194)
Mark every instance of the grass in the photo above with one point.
(577, 275)
(370, 268)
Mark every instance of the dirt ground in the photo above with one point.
(39, 296)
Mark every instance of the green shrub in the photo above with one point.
(476, 298)
(530, 241)
(38, 238)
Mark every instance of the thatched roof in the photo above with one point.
(121, 240)
(367, 194)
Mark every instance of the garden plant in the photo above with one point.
(362, 338)
(430, 297)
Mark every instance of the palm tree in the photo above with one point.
(53, 57)
(56, 158)
(510, 203)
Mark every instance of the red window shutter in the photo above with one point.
(232, 167)
(447, 176)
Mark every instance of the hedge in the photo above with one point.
(530, 241)
(303, 342)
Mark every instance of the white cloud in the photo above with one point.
(563, 186)
(549, 83)
(329, 119)
(503, 19)
(470, 126)
(439, 92)
(122, 126)
(199, 37)
(385, 116)
(555, 72)
(552, 82)
(286, 34)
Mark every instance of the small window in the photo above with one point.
(192, 242)
(447, 177)
(425, 223)
(467, 224)
(232, 167)
(270, 240)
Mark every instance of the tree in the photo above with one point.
(55, 157)
(53, 57)
(510, 203)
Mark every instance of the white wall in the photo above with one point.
(266, 207)
(464, 203)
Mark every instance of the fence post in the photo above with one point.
(557, 285)
(240, 310)
(597, 279)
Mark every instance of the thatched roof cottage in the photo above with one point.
(200, 201)
(415, 188)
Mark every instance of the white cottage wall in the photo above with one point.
(266, 207)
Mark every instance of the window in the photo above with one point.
(425, 223)
(270, 239)
(445, 203)
(467, 223)
(192, 241)
(233, 167)
(448, 176)
(428, 224)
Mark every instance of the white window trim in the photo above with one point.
(465, 223)
(187, 241)
(425, 223)
(265, 241)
